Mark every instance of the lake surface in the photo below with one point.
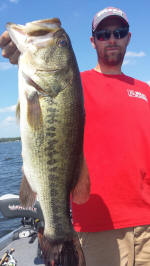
(10, 178)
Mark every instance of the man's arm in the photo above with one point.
(9, 49)
(81, 192)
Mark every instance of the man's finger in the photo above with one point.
(14, 58)
(9, 50)
(4, 39)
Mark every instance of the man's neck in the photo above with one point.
(111, 70)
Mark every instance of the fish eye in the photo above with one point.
(62, 43)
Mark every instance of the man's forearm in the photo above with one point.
(81, 192)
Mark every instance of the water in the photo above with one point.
(10, 178)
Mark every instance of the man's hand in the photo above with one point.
(81, 192)
(9, 49)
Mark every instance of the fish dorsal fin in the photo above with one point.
(17, 34)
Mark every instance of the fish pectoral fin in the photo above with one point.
(34, 113)
(32, 83)
(27, 195)
(81, 192)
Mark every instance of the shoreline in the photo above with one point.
(9, 139)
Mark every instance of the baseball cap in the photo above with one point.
(107, 12)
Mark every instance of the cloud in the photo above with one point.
(126, 62)
(5, 66)
(8, 109)
(129, 62)
(14, 1)
(130, 57)
(4, 5)
(10, 119)
(135, 54)
(9, 127)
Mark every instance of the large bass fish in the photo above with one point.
(51, 125)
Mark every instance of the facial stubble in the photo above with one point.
(112, 58)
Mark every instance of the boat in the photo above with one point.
(21, 246)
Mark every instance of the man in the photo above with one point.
(113, 224)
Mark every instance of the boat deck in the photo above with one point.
(25, 253)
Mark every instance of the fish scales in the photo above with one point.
(51, 126)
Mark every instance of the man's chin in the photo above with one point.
(113, 61)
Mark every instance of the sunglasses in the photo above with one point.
(104, 35)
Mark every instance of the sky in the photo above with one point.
(76, 17)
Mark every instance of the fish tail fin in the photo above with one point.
(65, 253)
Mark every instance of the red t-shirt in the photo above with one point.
(117, 151)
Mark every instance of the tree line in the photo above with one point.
(10, 139)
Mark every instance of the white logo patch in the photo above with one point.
(137, 94)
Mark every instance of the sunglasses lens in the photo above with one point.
(120, 33)
(103, 35)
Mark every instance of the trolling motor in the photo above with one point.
(11, 208)
(32, 217)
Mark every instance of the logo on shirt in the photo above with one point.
(137, 94)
